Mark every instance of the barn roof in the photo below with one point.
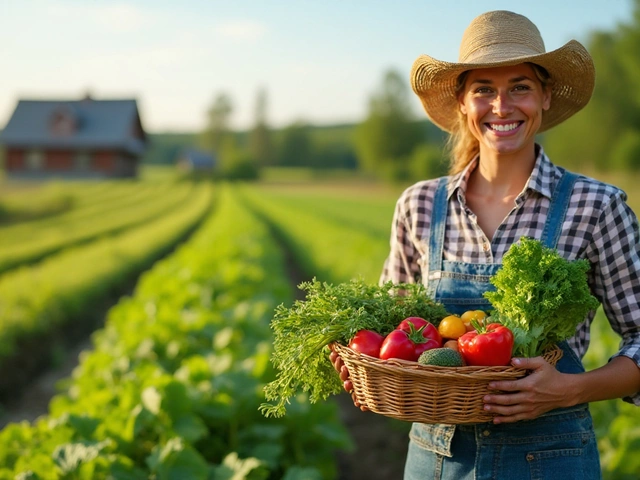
(95, 124)
(198, 159)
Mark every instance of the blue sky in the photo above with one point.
(319, 61)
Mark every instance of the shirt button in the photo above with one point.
(485, 246)
(486, 433)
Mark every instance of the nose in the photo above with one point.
(502, 104)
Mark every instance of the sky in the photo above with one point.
(318, 61)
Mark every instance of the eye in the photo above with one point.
(482, 90)
(521, 88)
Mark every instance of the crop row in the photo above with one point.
(326, 246)
(172, 385)
(66, 288)
(338, 244)
(26, 244)
(52, 203)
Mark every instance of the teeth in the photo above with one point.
(504, 128)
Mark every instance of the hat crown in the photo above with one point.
(498, 36)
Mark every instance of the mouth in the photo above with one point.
(504, 127)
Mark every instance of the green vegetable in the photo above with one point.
(442, 357)
(540, 296)
(334, 313)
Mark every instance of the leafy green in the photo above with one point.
(540, 296)
(334, 313)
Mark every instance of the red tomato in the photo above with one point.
(430, 331)
(406, 345)
(490, 346)
(367, 342)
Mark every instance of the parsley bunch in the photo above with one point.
(334, 313)
(540, 296)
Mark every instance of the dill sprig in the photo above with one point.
(334, 313)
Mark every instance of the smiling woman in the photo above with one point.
(452, 234)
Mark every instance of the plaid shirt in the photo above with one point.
(598, 226)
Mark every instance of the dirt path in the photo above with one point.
(34, 400)
(380, 443)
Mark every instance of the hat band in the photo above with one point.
(500, 52)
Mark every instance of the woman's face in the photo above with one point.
(504, 106)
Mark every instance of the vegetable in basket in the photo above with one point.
(408, 342)
(540, 296)
(334, 313)
(367, 342)
(489, 345)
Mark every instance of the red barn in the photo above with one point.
(73, 139)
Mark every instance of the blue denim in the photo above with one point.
(559, 444)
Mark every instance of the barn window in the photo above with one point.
(83, 161)
(35, 159)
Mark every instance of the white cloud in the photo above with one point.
(246, 30)
(121, 17)
(116, 17)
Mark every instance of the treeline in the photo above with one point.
(395, 143)
(605, 136)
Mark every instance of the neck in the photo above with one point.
(502, 175)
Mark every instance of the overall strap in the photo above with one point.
(438, 224)
(558, 209)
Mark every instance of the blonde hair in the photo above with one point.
(461, 145)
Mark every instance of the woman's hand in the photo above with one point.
(539, 392)
(342, 370)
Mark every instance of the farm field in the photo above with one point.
(173, 378)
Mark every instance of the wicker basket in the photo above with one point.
(426, 394)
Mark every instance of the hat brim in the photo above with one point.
(570, 67)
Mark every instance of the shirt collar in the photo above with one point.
(540, 180)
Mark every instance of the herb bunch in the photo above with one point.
(334, 313)
(541, 296)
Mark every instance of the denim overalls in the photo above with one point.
(560, 444)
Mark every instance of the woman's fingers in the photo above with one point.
(342, 370)
(344, 373)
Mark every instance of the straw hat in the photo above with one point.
(502, 38)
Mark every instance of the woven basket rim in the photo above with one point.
(465, 372)
(413, 392)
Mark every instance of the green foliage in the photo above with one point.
(540, 296)
(625, 155)
(44, 297)
(316, 232)
(173, 384)
(218, 128)
(260, 137)
(386, 138)
(334, 313)
(591, 138)
(427, 161)
(295, 148)
(165, 148)
(123, 206)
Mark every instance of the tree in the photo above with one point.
(296, 148)
(260, 141)
(591, 138)
(385, 140)
(218, 124)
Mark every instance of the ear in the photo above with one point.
(461, 105)
(546, 99)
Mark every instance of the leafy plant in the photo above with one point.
(334, 313)
(540, 296)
